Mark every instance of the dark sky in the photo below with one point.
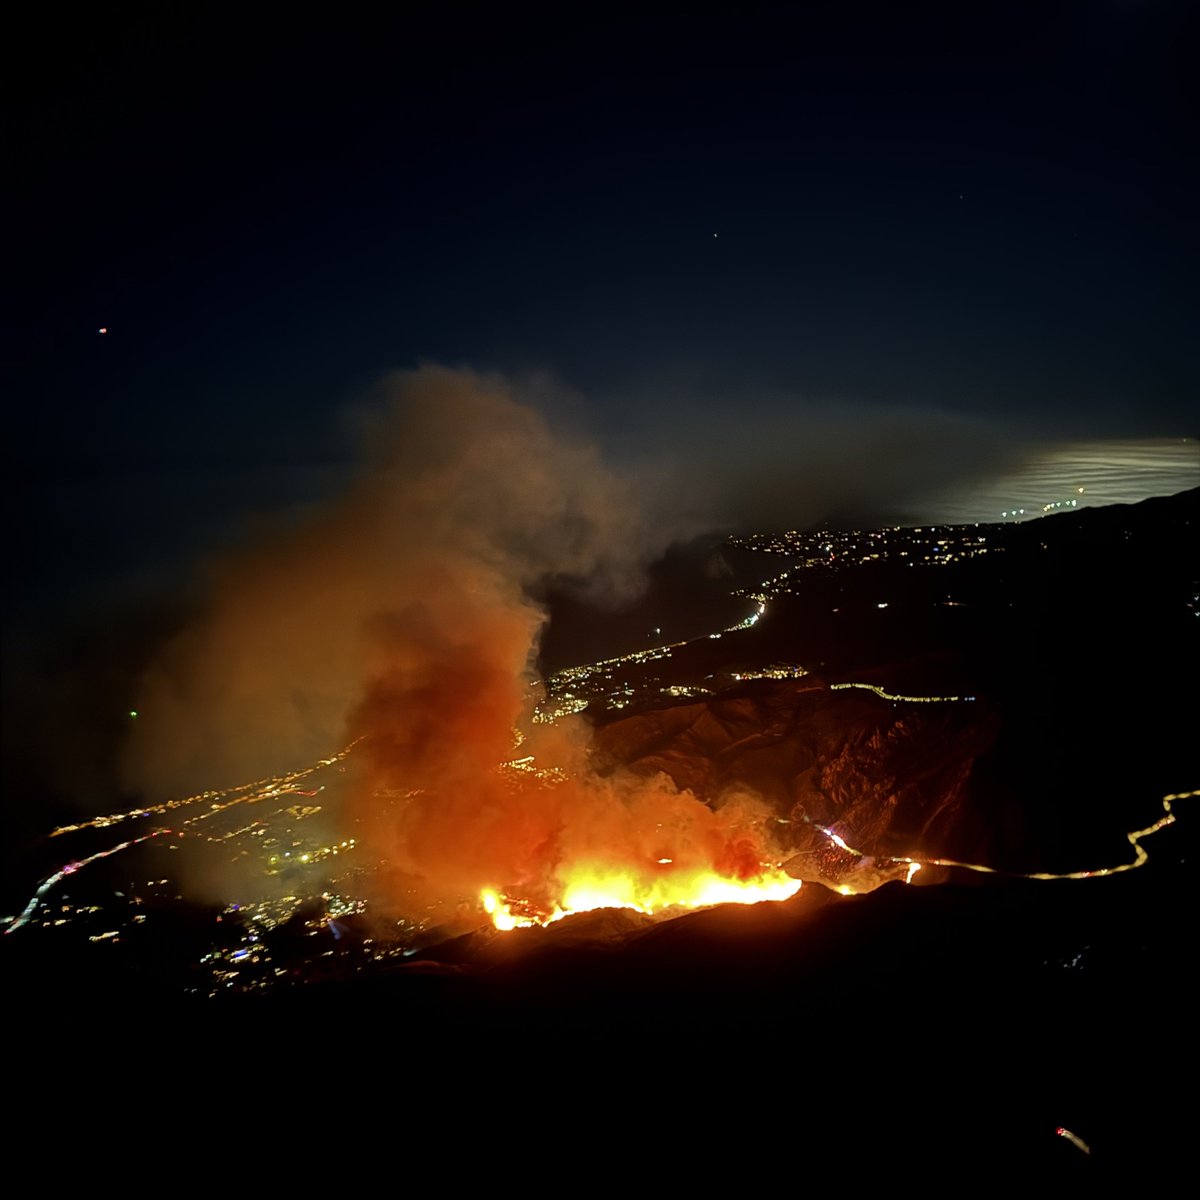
(697, 218)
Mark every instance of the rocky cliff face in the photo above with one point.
(891, 778)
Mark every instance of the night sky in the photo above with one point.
(790, 263)
(693, 230)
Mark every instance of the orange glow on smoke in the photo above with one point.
(587, 888)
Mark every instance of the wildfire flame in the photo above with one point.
(587, 888)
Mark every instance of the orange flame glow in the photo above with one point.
(586, 888)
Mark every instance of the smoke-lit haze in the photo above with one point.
(403, 614)
(763, 461)
(465, 501)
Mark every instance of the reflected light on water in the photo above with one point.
(1070, 476)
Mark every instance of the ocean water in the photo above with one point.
(1068, 476)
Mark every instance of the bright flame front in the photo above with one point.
(585, 889)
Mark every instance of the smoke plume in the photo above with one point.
(403, 615)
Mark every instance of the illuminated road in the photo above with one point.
(217, 802)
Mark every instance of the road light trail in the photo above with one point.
(1134, 837)
(52, 881)
(261, 789)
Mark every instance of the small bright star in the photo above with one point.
(103, 329)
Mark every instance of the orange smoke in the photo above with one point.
(403, 611)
